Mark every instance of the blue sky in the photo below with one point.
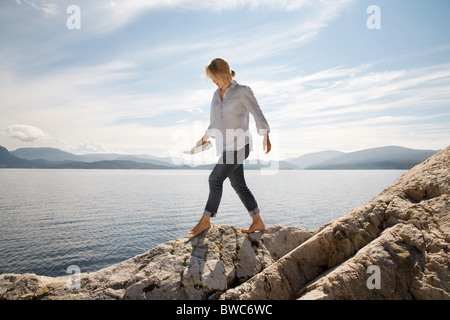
(131, 79)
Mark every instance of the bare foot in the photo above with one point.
(201, 226)
(257, 225)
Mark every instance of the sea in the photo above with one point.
(53, 219)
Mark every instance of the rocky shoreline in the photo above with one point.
(394, 247)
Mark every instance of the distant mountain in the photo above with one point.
(311, 159)
(52, 158)
(8, 160)
(53, 154)
(111, 164)
(58, 159)
(390, 157)
(145, 160)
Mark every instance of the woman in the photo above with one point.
(229, 122)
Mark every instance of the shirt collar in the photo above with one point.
(233, 84)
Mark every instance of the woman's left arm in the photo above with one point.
(262, 125)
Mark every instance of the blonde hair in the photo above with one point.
(219, 68)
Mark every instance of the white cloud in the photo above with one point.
(354, 92)
(132, 6)
(90, 104)
(240, 46)
(338, 108)
(91, 146)
(50, 10)
(115, 102)
(106, 15)
(24, 133)
(350, 108)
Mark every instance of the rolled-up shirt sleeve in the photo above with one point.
(251, 104)
(210, 132)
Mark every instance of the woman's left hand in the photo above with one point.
(266, 143)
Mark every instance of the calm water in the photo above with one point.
(51, 219)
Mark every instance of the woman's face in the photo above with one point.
(225, 83)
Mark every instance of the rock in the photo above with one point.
(186, 268)
(412, 260)
(394, 247)
(404, 232)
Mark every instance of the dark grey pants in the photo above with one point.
(231, 166)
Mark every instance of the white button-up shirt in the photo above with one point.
(229, 119)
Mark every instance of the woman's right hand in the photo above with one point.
(202, 141)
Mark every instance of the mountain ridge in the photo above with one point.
(387, 157)
(381, 158)
(309, 159)
(52, 158)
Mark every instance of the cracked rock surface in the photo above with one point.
(404, 232)
(394, 247)
(201, 267)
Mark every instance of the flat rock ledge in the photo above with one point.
(394, 247)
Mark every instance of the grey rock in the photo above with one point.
(188, 268)
(404, 232)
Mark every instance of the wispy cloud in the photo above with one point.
(359, 105)
(315, 111)
(242, 47)
(121, 12)
(130, 76)
(97, 97)
(355, 91)
(107, 15)
(47, 8)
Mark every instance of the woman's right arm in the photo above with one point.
(209, 133)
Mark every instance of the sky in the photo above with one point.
(128, 76)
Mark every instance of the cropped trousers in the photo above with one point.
(230, 165)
